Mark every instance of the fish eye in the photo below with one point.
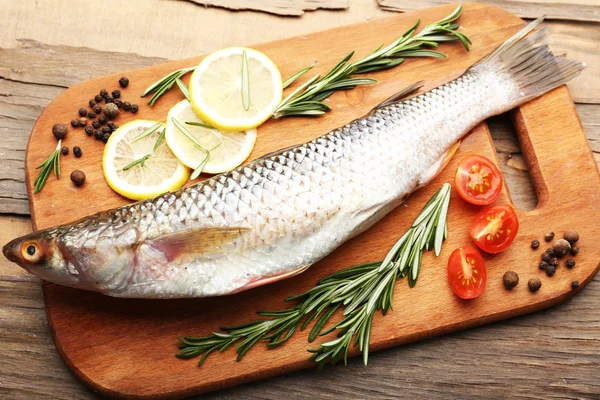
(31, 252)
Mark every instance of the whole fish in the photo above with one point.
(277, 215)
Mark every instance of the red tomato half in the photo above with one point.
(466, 272)
(478, 180)
(495, 228)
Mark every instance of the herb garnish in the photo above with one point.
(307, 100)
(142, 160)
(198, 170)
(360, 291)
(52, 164)
(245, 82)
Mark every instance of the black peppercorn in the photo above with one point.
(118, 103)
(574, 285)
(91, 115)
(546, 257)
(553, 261)
(134, 108)
(108, 99)
(77, 176)
(114, 127)
(96, 124)
(111, 110)
(89, 130)
(543, 264)
(82, 122)
(98, 98)
(77, 151)
(106, 129)
(574, 250)
(561, 248)
(92, 103)
(64, 150)
(550, 252)
(123, 82)
(105, 137)
(549, 236)
(570, 263)
(510, 279)
(102, 119)
(126, 106)
(571, 236)
(60, 130)
(82, 112)
(535, 244)
(74, 122)
(116, 93)
(97, 134)
(103, 93)
(534, 284)
(97, 108)
(551, 270)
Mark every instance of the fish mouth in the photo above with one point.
(10, 251)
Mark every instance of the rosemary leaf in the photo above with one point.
(202, 124)
(52, 164)
(159, 140)
(201, 166)
(245, 81)
(294, 77)
(187, 133)
(183, 88)
(141, 161)
(147, 132)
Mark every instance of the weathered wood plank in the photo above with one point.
(577, 10)
(278, 7)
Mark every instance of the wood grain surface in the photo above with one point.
(280, 7)
(549, 354)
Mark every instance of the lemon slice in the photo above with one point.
(216, 89)
(227, 149)
(159, 173)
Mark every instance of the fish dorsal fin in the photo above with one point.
(401, 95)
(205, 240)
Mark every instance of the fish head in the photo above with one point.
(39, 253)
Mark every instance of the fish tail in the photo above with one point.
(528, 64)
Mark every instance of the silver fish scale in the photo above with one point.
(301, 203)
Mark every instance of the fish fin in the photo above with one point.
(271, 279)
(401, 95)
(439, 165)
(529, 65)
(205, 240)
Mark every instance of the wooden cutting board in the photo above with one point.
(125, 348)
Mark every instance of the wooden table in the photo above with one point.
(48, 46)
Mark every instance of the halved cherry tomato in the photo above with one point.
(466, 272)
(478, 180)
(495, 228)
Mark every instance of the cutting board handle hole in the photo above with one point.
(512, 162)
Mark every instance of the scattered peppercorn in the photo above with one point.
(551, 270)
(553, 261)
(546, 257)
(510, 279)
(134, 108)
(98, 134)
(114, 127)
(103, 93)
(60, 130)
(116, 93)
(89, 130)
(549, 236)
(82, 122)
(111, 110)
(102, 119)
(106, 129)
(534, 284)
(543, 264)
(96, 124)
(574, 285)
(118, 103)
(82, 112)
(126, 106)
(561, 248)
(550, 252)
(77, 151)
(108, 99)
(75, 123)
(97, 108)
(571, 236)
(570, 263)
(123, 82)
(535, 244)
(77, 176)
(98, 98)
(91, 115)
(64, 150)
(105, 137)
(574, 250)
(92, 102)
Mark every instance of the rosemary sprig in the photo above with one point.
(198, 170)
(52, 164)
(360, 290)
(245, 82)
(142, 160)
(183, 88)
(308, 101)
(165, 83)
